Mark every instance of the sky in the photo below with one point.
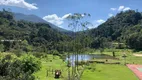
(56, 11)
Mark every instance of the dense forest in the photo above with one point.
(28, 36)
(124, 29)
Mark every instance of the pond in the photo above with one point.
(85, 57)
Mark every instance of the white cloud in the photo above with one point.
(100, 21)
(110, 15)
(113, 9)
(66, 15)
(18, 3)
(126, 8)
(56, 20)
(96, 23)
(121, 8)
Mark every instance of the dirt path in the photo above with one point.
(134, 68)
(139, 55)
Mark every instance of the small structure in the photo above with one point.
(57, 73)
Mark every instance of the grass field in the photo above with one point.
(98, 72)
(130, 59)
(113, 72)
(50, 64)
(101, 72)
(109, 72)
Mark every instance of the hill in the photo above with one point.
(125, 27)
(28, 36)
(123, 30)
(36, 19)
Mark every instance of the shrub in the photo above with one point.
(54, 52)
(30, 63)
(38, 54)
(13, 70)
(80, 62)
(1, 47)
(17, 52)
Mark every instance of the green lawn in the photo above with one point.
(109, 72)
(130, 59)
(49, 65)
(99, 72)
(102, 72)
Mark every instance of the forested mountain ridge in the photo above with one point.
(125, 27)
(121, 28)
(33, 36)
(36, 19)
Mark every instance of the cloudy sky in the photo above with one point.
(55, 11)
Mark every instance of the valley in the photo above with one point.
(33, 49)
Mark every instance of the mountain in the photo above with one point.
(116, 26)
(125, 27)
(27, 36)
(36, 19)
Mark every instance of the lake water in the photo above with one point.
(90, 56)
(85, 57)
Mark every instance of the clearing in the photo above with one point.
(109, 72)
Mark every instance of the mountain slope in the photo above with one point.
(115, 27)
(125, 27)
(27, 36)
(36, 19)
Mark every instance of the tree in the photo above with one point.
(25, 46)
(1, 47)
(76, 22)
(16, 69)
(134, 41)
(30, 63)
(31, 34)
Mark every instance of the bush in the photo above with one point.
(80, 62)
(39, 54)
(30, 63)
(17, 52)
(54, 52)
(14, 69)
(1, 47)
